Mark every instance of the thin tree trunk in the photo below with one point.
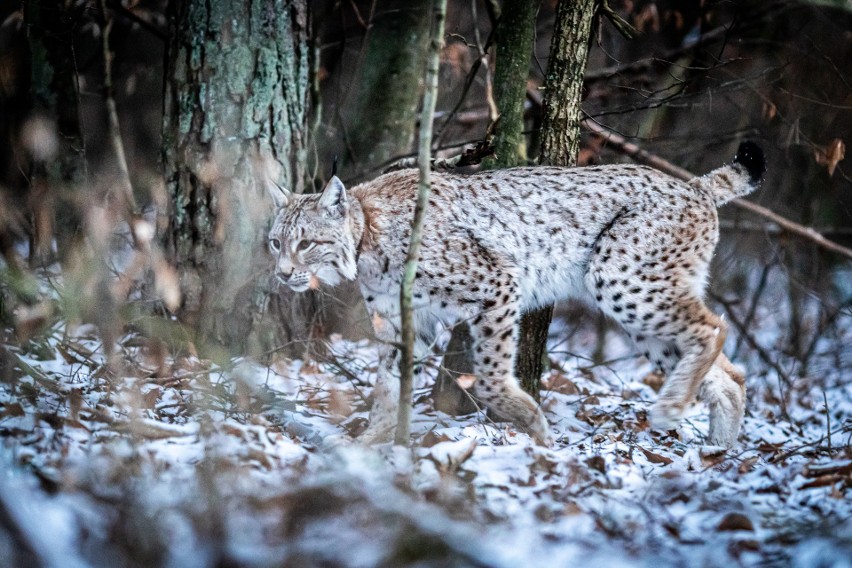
(234, 117)
(515, 35)
(389, 83)
(424, 187)
(54, 113)
(560, 137)
(560, 143)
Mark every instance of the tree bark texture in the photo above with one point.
(563, 88)
(57, 161)
(390, 82)
(514, 36)
(560, 143)
(234, 117)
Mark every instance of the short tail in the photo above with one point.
(737, 179)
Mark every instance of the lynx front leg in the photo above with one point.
(386, 392)
(495, 333)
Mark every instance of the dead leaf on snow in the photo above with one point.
(655, 458)
(431, 439)
(735, 522)
(561, 384)
(654, 380)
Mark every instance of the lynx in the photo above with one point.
(633, 241)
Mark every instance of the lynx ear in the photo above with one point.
(280, 196)
(333, 198)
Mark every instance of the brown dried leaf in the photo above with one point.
(466, 381)
(13, 409)
(431, 439)
(338, 404)
(654, 380)
(558, 383)
(830, 154)
(655, 458)
(735, 522)
(747, 464)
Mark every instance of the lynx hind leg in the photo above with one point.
(495, 334)
(724, 392)
(641, 278)
(722, 389)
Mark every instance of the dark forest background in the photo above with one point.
(138, 139)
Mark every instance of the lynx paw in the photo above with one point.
(540, 430)
(664, 416)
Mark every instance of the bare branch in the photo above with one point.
(406, 363)
(645, 157)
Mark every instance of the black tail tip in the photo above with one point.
(750, 156)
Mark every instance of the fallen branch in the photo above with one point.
(469, 157)
(645, 157)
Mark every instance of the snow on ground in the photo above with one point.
(197, 465)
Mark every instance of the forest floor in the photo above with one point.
(153, 461)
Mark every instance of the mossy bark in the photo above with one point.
(390, 82)
(234, 117)
(515, 35)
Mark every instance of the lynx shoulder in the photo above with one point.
(633, 241)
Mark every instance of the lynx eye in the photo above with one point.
(275, 245)
(304, 245)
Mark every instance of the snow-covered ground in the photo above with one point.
(181, 463)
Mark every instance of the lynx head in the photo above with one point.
(312, 238)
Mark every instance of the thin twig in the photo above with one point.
(112, 113)
(406, 364)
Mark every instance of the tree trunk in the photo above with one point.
(390, 83)
(234, 118)
(515, 35)
(57, 162)
(563, 89)
(560, 143)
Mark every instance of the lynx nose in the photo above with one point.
(285, 276)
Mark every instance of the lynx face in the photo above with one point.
(311, 239)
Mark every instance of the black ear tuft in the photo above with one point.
(750, 156)
(334, 166)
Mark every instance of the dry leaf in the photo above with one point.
(654, 380)
(558, 383)
(830, 154)
(338, 404)
(655, 458)
(432, 439)
(735, 522)
(466, 381)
